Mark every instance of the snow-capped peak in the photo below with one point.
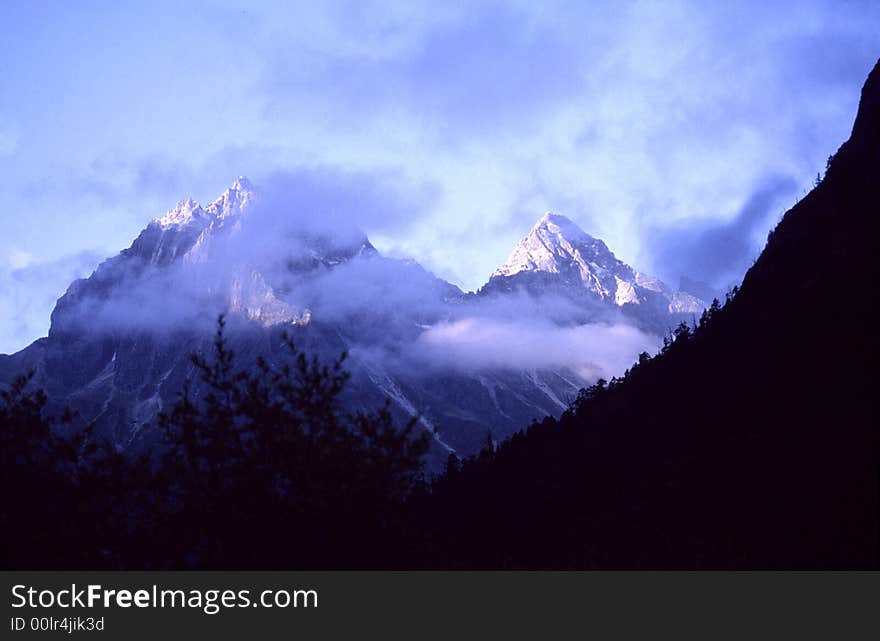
(557, 249)
(560, 225)
(230, 203)
(556, 244)
(233, 200)
(181, 214)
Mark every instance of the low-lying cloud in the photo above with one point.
(591, 351)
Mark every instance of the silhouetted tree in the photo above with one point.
(271, 449)
(259, 467)
(41, 465)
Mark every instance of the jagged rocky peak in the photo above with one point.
(231, 202)
(181, 214)
(234, 200)
(189, 233)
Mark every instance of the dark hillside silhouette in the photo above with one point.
(751, 441)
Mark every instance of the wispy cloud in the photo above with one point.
(481, 343)
(28, 291)
(719, 252)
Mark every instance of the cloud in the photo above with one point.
(720, 253)
(480, 72)
(18, 259)
(478, 343)
(28, 291)
(8, 141)
(331, 200)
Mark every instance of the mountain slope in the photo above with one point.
(751, 443)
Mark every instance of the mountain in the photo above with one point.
(751, 442)
(118, 348)
(558, 256)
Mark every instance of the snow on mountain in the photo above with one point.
(555, 244)
(186, 229)
(230, 204)
(184, 212)
(557, 248)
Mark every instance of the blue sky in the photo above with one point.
(677, 132)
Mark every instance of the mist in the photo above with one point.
(591, 351)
